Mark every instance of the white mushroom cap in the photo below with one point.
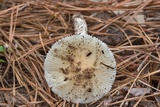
(80, 69)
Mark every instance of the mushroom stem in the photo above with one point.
(80, 26)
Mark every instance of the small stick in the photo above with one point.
(107, 65)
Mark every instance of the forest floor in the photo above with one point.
(131, 29)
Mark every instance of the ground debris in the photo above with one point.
(30, 27)
(138, 91)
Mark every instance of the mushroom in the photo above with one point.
(80, 68)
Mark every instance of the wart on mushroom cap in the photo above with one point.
(80, 68)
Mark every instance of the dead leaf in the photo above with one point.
(158, 100)
(138, 91)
